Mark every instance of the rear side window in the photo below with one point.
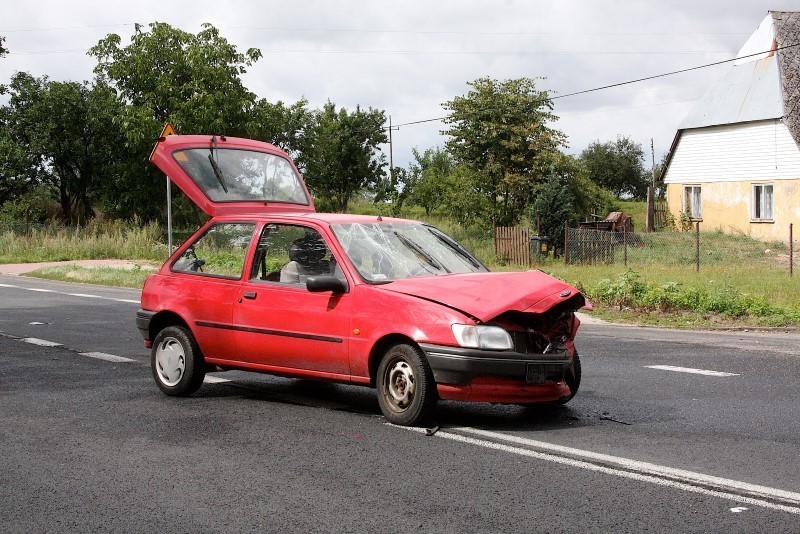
(219, 252)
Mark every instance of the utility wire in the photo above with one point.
(630, 81)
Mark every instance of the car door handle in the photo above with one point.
(250, 295)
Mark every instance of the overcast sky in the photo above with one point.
(408, 57)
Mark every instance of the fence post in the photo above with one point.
(566, 242)
(791, 250)
(625, 245)
(697, 246)
(494, 235)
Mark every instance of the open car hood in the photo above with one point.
(250, 176)
(488, 295)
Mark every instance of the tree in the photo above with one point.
(429, 173)
(340, 155)
(283, 126)
(553, 207)
(500, 132)
(168, 75)
(617, 166)
(68, 140)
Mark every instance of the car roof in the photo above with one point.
(325, 218)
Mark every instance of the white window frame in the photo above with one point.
(762, 206)
(689, 192)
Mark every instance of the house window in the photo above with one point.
(692, 204)
(762, 202)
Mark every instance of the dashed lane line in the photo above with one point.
(79, 295)
(107, 357)
(40, 342)
(209, 379)
(690, 370)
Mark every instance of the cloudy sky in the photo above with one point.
(408, 57)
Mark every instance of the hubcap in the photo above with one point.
(400, 382)
(170, 361)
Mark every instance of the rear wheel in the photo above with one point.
(176, 362)
(573, 379)
(406, 389)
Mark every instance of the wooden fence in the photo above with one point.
(512, 245)
(660, 214)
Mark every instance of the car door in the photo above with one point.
(206, 280)
(280, 324)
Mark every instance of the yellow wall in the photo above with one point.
(726, 206)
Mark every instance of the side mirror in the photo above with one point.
(325, 282)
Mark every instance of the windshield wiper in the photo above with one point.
(420, 251)
(455, 246)
(215, 166)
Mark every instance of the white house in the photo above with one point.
(735, 160)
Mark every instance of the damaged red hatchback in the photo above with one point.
(271, 286)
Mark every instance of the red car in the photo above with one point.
(269, 285)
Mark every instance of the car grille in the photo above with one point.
(528, 342)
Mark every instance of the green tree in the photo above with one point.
(553, 207)
(463, 199)
(500, 131)
(169, 75)
(617, 166)
(3, 49)
(283, 126)
(588, 198)
(429, 173)
(341, 154)
(68, 137)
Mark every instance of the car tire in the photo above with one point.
(406, 388)
(573, 380)
(177, 363)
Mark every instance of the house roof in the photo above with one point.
(764, 82)
(748, 92)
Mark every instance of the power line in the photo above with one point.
(632, 81)
(67, 28)
(400, 31)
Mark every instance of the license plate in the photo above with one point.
(535, 373)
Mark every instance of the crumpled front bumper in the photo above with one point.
(458, 365)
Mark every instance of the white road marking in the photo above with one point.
(40, 342)
(690, 370)
(209, 379)
(81, 295)
(107, 357)
(740, 492)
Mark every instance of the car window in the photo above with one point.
(289, 254)
(387, 251)
(218, 252)
(242, 175)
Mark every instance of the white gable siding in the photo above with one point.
(754, 151)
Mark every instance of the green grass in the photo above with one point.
(106, 241)
(104, 276)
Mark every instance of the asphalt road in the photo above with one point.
(88, 443)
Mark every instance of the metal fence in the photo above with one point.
(694, 249)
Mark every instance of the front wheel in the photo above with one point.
(176, 362)
(406, 389)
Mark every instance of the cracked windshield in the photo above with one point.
(242, 175)
(387, 251)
